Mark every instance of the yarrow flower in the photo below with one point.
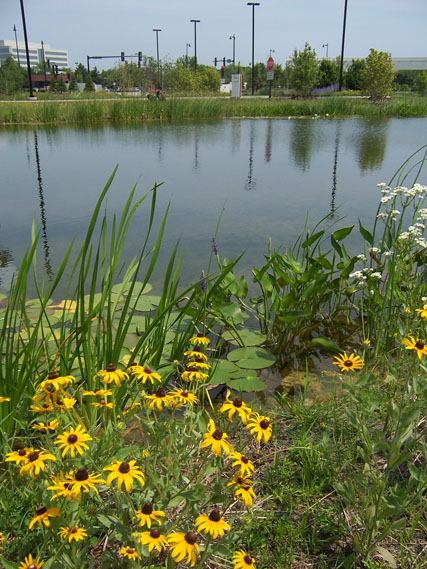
(153, 539)
(73, 440)
(73, 532)
(242, 560)
(215, 438)
(260, 426)
(146, 515)
(125, 473)
(213, 525)
(348, 363)
(418, 345)
(184, 544)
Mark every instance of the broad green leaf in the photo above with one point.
(248, 337)
(386, 555)
(340, 234)
(247, 383)
(323, 343)
(310, 240)
(293, 315)
(222, 371)
(252, 358)
(366, 234)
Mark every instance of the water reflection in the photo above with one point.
(268, 141)
(334, 169)
(301, 142)
(250, 184)
(45, 242)
(196, 150)
(7, 269)
(371, 144)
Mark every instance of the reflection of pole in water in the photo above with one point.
(251, 182)
(334, 169)
(42, 210)
(268, 141)
(196, 150)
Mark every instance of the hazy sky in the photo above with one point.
(107, 27)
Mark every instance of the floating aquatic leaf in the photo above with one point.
(248, 337)
(252, 358)
(247, 383)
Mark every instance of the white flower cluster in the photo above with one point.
(364, 274)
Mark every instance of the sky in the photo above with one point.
(108, 27)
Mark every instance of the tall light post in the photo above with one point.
(195, 43)
(44, 65)
(342, 47)
(30, 81)
(157, 30)
(327, 46)
(16, 41)
(187, 45)
(253, 4)
(272, 51)
(233, 37)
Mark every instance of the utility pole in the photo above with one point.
(342, 47)
(233, 37)
(195, 44)
(253, 4)
(16, 41)
(157, 30)
(26, 48)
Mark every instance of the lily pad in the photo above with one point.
(248, 337)
(223, 370)
(247, 383)
(147, 303)
(252, 358)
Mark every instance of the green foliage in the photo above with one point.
(89, 86)
(328, 73)
(304, 71)
(73, 87)
(420, 82)
(354, 76)
(12, 77)
(60, 86)
(379, 75)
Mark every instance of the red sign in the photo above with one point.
(270, 64)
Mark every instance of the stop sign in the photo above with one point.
(270, 64)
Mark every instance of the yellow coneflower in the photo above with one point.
(55, 382)
(200, 339)
(98, 392)
(183, 396)
(245, 465)
(184, 544)
(235, 406)
(73, 440)
(146, 515)
(422, 312)
(63, 403)
(82, 481)
(215, 438)
(4, 399)
(193, 373)
(243, 560)
(128, 408)
(213, 525)
(348, 363)
(63, 487)
(112, 374)
(198, 363)
(19, 456)
(145, 373)
(36, 462)
(242, 489)
(31, 563)
(158, 400)
(42, 516)
(153, 539)
(129, 552)
(49, 426)
(125, 473)
(260, 426)
(196, 352)
(73, 532)
(102, 404)
(418, 345)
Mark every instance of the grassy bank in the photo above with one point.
(137, 110)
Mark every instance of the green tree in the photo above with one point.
(60, 85)
(355, 74)
(304, 70)
(420, 82)
(81, 73)
(53, 84)
(73, 87)
(379, 75)
(12, 77)
(329, 73)
(89, 87)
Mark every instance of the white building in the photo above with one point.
(52, 56)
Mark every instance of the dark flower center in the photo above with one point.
(32, 566)
(198, 360)
(245, 459)
(111, 367)
(215, 516)
(52, 375)
(45, 405)
(22, 452)
(184, 393)
(124, 467)
(200, 335)
(161, 392)
(419, 345)
(147, 370)
(217, 435)
(49, 387)
(192, 368)
(348, 363)
(130, 550)
(41, 510)
(191, 537)
(264, 424)
(102, 402)
(81, 474)
(33, 456)
(72, 439)
(133, 364)
(237, 402)
(247, 559)
(240, 480)
(147, 509)
(127, 407)
(155, 533)
(196, 349)
(96, 390)
(73, 529)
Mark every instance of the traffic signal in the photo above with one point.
(223, 61)
(215, 61)
(139, 58)
(122, 55)
(222, 71)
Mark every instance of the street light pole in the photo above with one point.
(342, 47)
(195, 44)
(326, 45)
(26, 48)
(253, 4)
(157, 30)
(233, 37)
(44, 65)
(16, 41)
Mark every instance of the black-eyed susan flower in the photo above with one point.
(2, 539)
(129, 552)
(98, 392)
(198, 363)
(73, 532)
(42, 516)
(30, 563)
(146, 515)
(73, 440)
(48, 426)
(153, 539)
(4, 399)
(241, 461)
(215, 438)
(19, 456)
(62, 487)
(242, 489)
(158, 400)
(196, 352)
(213, 525)
(200, 339)
(55, 382)
(42, 404)
(112, 374)
(36, 462)
(184, 544)
(418, 345)
(183, 396)
(348, 363)
(128, 408)
(63, 403)
(422, 312)
(260, 426)
(145, 373)
(235, 406)
(125, 473)
(82, 481)
(193, 373)
(243, 560)
(102, 404)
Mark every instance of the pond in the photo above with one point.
(264, 175)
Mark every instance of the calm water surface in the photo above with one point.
(267, 175)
